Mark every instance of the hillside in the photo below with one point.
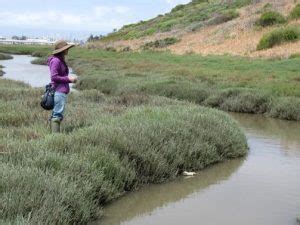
(207, 27)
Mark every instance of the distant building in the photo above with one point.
(2, 38)
(26, 42)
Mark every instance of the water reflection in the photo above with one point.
(20, 68)
(262, 189)
(284, 134)
(154, 196)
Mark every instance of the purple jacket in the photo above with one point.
(59, 74)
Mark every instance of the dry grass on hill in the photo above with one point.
(236, 37)
(239, 36)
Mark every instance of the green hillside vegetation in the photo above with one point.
(190, 17)
(271, 18)
(279, 36)
(295, 14)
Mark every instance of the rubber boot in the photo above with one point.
(55, 126)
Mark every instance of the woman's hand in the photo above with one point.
(73, 79)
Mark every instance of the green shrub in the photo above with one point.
(5, 56)
(38, 54)
(240, 100)
(279, 36)
(160, 43)
(40, 61)
(1, 71)
(178, 7)
(150, 31)
(178, 90)
(29, 192)
(247, 102)
(229, 15)
(166, 26)
(270, 18)
(286, 108)
(294, 56)
(295, 13)
(110, 49)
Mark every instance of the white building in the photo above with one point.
(26, 42)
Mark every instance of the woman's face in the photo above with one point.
(66, 52)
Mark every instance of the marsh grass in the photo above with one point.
(5, 56)
(40, 61)
(109, 146)
(279, 108)
(1, 70)
(228, 83)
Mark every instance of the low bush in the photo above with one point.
(270, 18)
(247, 102)
(40, 61)
(279, 36)
(229, 15)
(178, 8)
(1, 71)
(5, 56)
(295, 13)
(296, 55)
(110, 49)
(177, 89)
(286, 108)
(240, 100)
(38, 54)
(160, 43)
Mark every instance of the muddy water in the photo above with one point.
(20, 68)
(260, 189)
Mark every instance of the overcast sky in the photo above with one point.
(76, 16)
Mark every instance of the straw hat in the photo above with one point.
(61, 46)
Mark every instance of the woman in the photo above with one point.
(60, 80)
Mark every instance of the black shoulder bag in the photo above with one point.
(47, 101)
